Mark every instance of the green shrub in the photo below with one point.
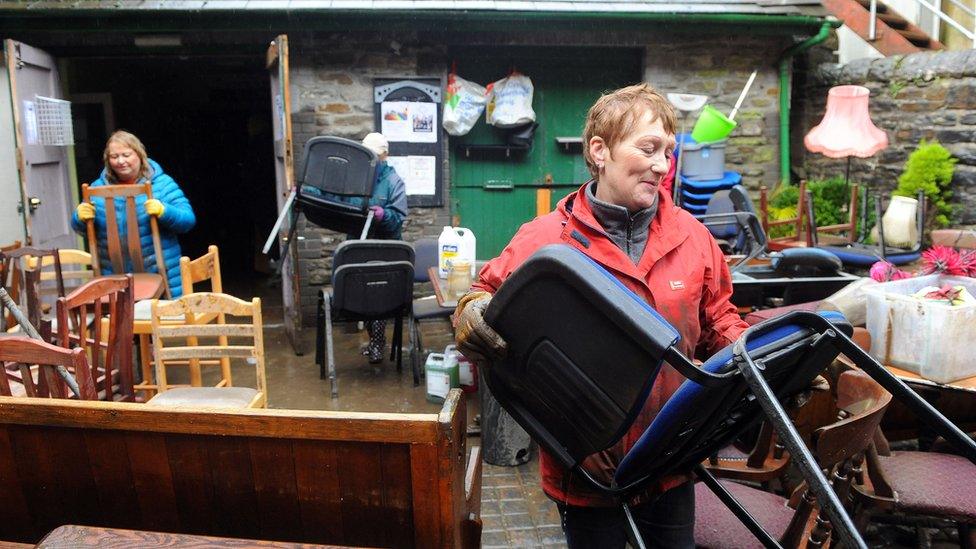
(831, 203)
(929, 169)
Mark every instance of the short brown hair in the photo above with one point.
(615, 114)
(129, 140)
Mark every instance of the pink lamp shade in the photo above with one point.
(846, 129)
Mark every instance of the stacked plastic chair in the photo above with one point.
(577, 398)
(703, 173)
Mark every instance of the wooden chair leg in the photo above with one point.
(146, 365)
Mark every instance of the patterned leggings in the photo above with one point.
(377, 337)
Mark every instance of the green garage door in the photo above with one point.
(494, 189)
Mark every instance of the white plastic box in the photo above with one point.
(931, 339)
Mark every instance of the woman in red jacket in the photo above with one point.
(623, 220)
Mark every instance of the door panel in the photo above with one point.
(12, 227)
(43, 169)
(566, 82)
(277, 63)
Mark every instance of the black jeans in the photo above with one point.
(668, 521)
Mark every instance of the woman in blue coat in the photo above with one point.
(126, 163)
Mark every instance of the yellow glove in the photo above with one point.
(475, 339)
(85, 212)
(154, 207)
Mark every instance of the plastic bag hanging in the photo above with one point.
(510, 102)
(463, 105)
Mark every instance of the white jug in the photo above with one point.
(900, 228)
(468, 247)
(449, 245)
(455, 243)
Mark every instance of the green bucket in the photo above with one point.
(712, 125)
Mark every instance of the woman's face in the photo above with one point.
(632, 172)
(124, 161)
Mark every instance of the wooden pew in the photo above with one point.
(343, 478)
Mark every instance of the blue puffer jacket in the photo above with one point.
(177, 218)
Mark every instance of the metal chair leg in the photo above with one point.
(320, 335)
(414, 351)
(330, 350)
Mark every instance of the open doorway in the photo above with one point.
(207, 121)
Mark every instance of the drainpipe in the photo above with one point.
(785, 92)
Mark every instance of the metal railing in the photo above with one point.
(935, 10)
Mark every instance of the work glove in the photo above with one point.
(475, 339)
(154, 207)
(378, 212)
(85, 212)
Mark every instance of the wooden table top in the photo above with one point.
(439, 290)
(90, 536)
(967, 384)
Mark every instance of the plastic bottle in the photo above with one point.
(449, 245)
(441, 377)
(468, 247)
(467, 371)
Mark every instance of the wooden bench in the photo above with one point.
(343, 478)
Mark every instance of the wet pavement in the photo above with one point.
(515, 511)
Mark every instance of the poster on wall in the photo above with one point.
(418, 173)
(409, 121)
(406, 110)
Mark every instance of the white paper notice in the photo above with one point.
(30, 123)
(418, 172)
(408, 121)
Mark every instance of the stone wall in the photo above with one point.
(331, 87)
(332, 94)
(719, 67)
(920, 96)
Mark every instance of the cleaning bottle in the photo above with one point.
(448, 248)
(441, 377)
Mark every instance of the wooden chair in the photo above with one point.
(76, 268)
(918, 488)
(839, 448)
(24, 284)
(205, 268)
(31, 365)
(107, 343)
(147, 285)
(35, 293)
(179, 342)
(806, 233)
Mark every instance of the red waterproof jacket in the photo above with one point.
(682, 274)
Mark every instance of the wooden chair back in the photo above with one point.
(107, 345)
(839, 449)
(181, 341)
(44, 288)
(31, 364)
(133, 246)
(204, 268)
(196, 271)
(25, 286)
(76, 268)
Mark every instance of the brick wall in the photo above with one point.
(923, 95)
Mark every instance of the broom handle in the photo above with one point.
(742, 96)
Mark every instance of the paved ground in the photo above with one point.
(515, 511)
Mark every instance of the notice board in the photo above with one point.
(407, 111)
